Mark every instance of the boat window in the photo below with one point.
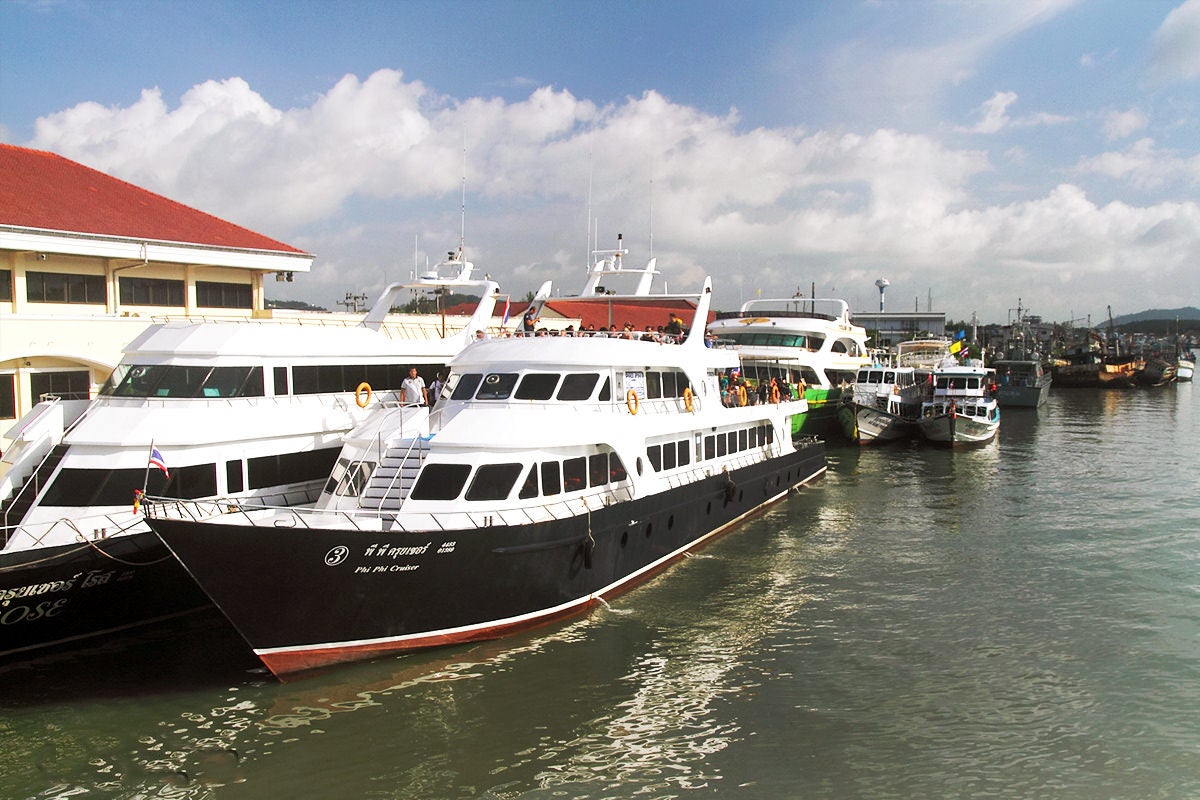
(349, 479)
(598, 469)
(606, 390)
(465, 386)
(181, 381)
(578, 386)
(753, 437)
(530, 487)
(77, 488)
(551, 478)
(616, 469)
(440, 481)
(654, 454)
(683, 452)
(233, 382)
(654, 389)
(743, 439)
(289, 468)
(281, 381)
(234, 479)
(710, 447)
(536, 386)
(137, 381)
(733, 441)
(493, 481)
(668, 456)
(889, 377)
(670, 382)
(575, 474)
(497, 386)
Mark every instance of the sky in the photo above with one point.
(980, 156)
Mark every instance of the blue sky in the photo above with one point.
(975, 154)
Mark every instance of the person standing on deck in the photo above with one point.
(413, 388)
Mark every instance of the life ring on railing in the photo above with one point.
(631, 401)
(362, 395)
(689, 401)
(774, 394)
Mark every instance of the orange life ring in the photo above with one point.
(688, 400)
(362, 395)
(631, 401)
(774, 394)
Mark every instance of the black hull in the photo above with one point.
(55, 595)
(309, 598)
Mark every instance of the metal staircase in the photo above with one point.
(13, 510)
(393, 479)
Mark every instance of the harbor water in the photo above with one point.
(1020, 620)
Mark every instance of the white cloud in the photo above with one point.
(1144, 166)
(994, 116)
(1122, 124)
(1176, 53)
(359, 171)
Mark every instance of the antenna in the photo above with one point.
(652, 217)
(462, 234)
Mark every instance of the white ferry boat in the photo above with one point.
(250, 410)
(883, 404)
(963, 407)
(553, 472)
(807, 343)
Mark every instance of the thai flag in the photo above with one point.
(504, 321)
(157, 460)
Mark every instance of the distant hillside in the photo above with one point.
(1155, 314)
(292, 305)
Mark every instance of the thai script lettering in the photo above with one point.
(383, 551)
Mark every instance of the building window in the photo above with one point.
(151, 292)
(8, 396)
(64, 287)
(6, 292)
(73, 385)
(223, 295)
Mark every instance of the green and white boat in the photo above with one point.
(809, 344)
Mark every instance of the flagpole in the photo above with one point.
(146, 474)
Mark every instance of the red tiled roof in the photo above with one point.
(46, 191)
(655, 313)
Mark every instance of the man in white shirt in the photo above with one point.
(414, 389)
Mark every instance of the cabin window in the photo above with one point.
(493, 481)
(281, 381)
(653, 385)
(578, 386)
(441, 481)
(497, 386)
(654, 454)
(234, 478)
(683, 453)
(710, 447)
(290, 468)
(598, 469)
(6, 286)
(74, 487)
(575, 474)
(606, 390)
(536, 387)
(551, 478)
(530, 487)
(464, 388)
(349, 478)
(753, 437)
(743, 439)
(616, 469)
(668, 456)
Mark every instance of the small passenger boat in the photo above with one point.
(962, 408)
